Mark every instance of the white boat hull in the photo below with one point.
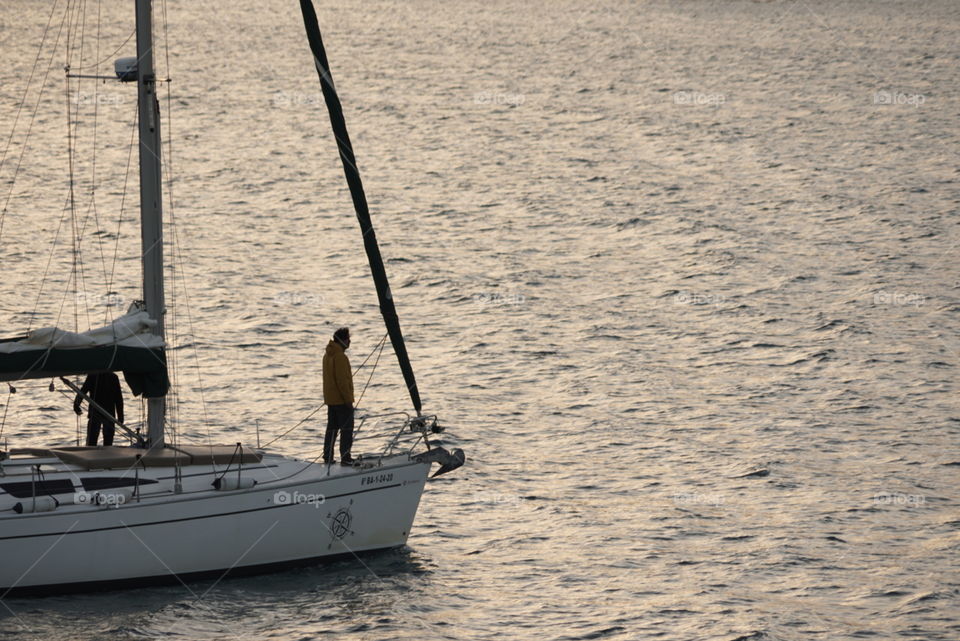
(324, 511)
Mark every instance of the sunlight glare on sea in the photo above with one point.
(680, 277)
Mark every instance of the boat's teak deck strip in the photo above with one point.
(113, 457)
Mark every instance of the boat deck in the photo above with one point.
(72, 476)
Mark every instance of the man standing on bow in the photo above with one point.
(105, 391)
(338, 395)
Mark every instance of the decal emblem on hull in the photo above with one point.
(340, 525)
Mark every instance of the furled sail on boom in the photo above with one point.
(387, 308)
(128, 344)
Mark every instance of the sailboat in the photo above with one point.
(79, 518)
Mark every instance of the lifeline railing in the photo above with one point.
(412, 432)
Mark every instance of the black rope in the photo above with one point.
(41, 481)
(232, 457)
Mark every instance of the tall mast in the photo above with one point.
(151, 210)
(352, 173)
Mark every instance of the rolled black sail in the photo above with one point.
(352, 173)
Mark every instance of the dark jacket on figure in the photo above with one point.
(105, 390)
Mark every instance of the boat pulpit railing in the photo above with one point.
(412, 431)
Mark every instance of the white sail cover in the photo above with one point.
(133, 329)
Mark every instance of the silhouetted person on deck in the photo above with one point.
(105, 391)
(338, 395)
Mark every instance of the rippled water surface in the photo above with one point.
(680, 277)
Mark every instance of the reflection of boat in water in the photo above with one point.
(74, 518)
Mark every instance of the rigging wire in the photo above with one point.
(177, 244)
(71, 198)
(33, 116)
(173, 359)
(26, 89)
(46, 269)
(73, 127)
(75, 15)
(92, 206)
(176, 275)
(110, 57)
(123, 200)
(46, 272)
(67, 21)
(360, 366)
(6, 406)
(301, 422)
(377, 347)
(383, 342)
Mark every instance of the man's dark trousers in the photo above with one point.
(339, 420)
(94, 422)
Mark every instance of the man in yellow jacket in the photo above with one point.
(338, 395)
